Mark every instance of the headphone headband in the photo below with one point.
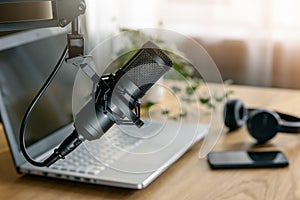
(283, 116)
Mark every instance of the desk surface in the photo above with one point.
(190, 177)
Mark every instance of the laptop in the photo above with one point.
(125, 156)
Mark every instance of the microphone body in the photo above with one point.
(118, 94)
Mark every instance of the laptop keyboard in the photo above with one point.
(92, 157)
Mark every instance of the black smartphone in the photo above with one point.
(246, 159)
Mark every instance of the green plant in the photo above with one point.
(182, 70)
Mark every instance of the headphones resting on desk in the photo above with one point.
(261, 124)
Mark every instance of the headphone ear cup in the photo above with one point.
(235, 114)
(263, 125)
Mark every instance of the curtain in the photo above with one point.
(254, 42)
(105, 17)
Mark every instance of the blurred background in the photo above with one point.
(253, 42)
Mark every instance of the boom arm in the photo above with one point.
(28, 14)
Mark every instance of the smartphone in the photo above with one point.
(247, 159)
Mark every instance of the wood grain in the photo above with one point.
(190, 177)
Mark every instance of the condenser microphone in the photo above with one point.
(116, 98)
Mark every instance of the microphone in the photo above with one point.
(116, 99)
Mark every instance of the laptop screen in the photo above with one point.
(23, 70)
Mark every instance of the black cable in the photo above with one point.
(32, 105)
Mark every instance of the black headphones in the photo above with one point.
(261, 124)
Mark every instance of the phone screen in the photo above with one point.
(246, 159)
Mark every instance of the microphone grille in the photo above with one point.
(147, 66)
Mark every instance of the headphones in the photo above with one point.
(261, 124)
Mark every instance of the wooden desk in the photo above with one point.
(190, 177)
